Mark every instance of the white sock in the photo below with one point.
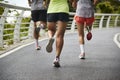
(82, 48)
(36, 43)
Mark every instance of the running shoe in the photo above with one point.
(89, 34)
(82, 56)
(49, 45)
(38, 48)
(56, 62)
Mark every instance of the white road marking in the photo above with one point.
(11, 51)
(116, 40)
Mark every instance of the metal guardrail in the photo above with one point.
(20, 31)
(13, 32)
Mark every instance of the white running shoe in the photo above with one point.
(49, 45)
(82, 56)
(56, 62)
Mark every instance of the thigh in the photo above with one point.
(80, 28)
(51, 26)
(61, 27)
(63, 18)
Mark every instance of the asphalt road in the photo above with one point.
(102, 60)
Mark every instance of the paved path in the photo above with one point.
(102, 60)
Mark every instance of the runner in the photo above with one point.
(84, 17)
(58, 13)
(38, 14)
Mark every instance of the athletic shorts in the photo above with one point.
(54, 17)
(82, 20)
(39, 15)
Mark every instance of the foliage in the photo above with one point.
(105, 7)
(10, 32)
(1, 10)
(118, 11)
(25, 26)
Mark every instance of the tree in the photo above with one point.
(1, 10)
(105, 7)
(109, 5)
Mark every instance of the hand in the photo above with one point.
(29, 3)
(74, 4)
(44, 4)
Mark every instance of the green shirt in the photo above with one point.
(57, 6)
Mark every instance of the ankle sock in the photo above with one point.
(82, 48)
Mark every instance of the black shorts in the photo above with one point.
(54, 17)
(39, 15)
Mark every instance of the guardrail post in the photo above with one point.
(17, 28)
(116, 20)
(31, 27)
(2, 22)
(101, 22)
(108, 22)
(73, 26)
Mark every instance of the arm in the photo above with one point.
(95, 2)
(29, 2)
(46, 3)
(74, 3)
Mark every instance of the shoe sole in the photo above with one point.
(89, 33)
(89, 36)
(56, 64)
(82, 56)
(39, 48)
(49, 46)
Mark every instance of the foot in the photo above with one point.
(38, 48)
(49, 45)
(82, 56)
(89, 34)
(56, 62)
